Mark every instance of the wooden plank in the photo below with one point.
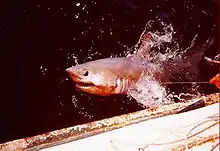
(74, 133)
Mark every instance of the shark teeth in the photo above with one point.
(85, 84)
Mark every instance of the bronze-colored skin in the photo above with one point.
(106, 76)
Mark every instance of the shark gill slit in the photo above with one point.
(125, 83)
(121, 85)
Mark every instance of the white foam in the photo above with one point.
(149, 92)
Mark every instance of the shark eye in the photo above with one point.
(86, 73)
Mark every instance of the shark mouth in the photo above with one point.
(84, 84)
(78, 81)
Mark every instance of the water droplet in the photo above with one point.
(77, 4)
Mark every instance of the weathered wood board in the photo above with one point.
(151, 129)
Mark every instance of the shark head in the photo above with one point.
(105, 76)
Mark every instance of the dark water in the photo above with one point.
(40, 38)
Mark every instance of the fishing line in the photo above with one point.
(193, 82)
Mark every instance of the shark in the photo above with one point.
(112, 76)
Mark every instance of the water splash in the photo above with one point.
(80, 109)
(183, 97)
(73, 58)
(164, 45)
(149, 92)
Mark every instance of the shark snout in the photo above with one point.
(72, 74)
(68, 70)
